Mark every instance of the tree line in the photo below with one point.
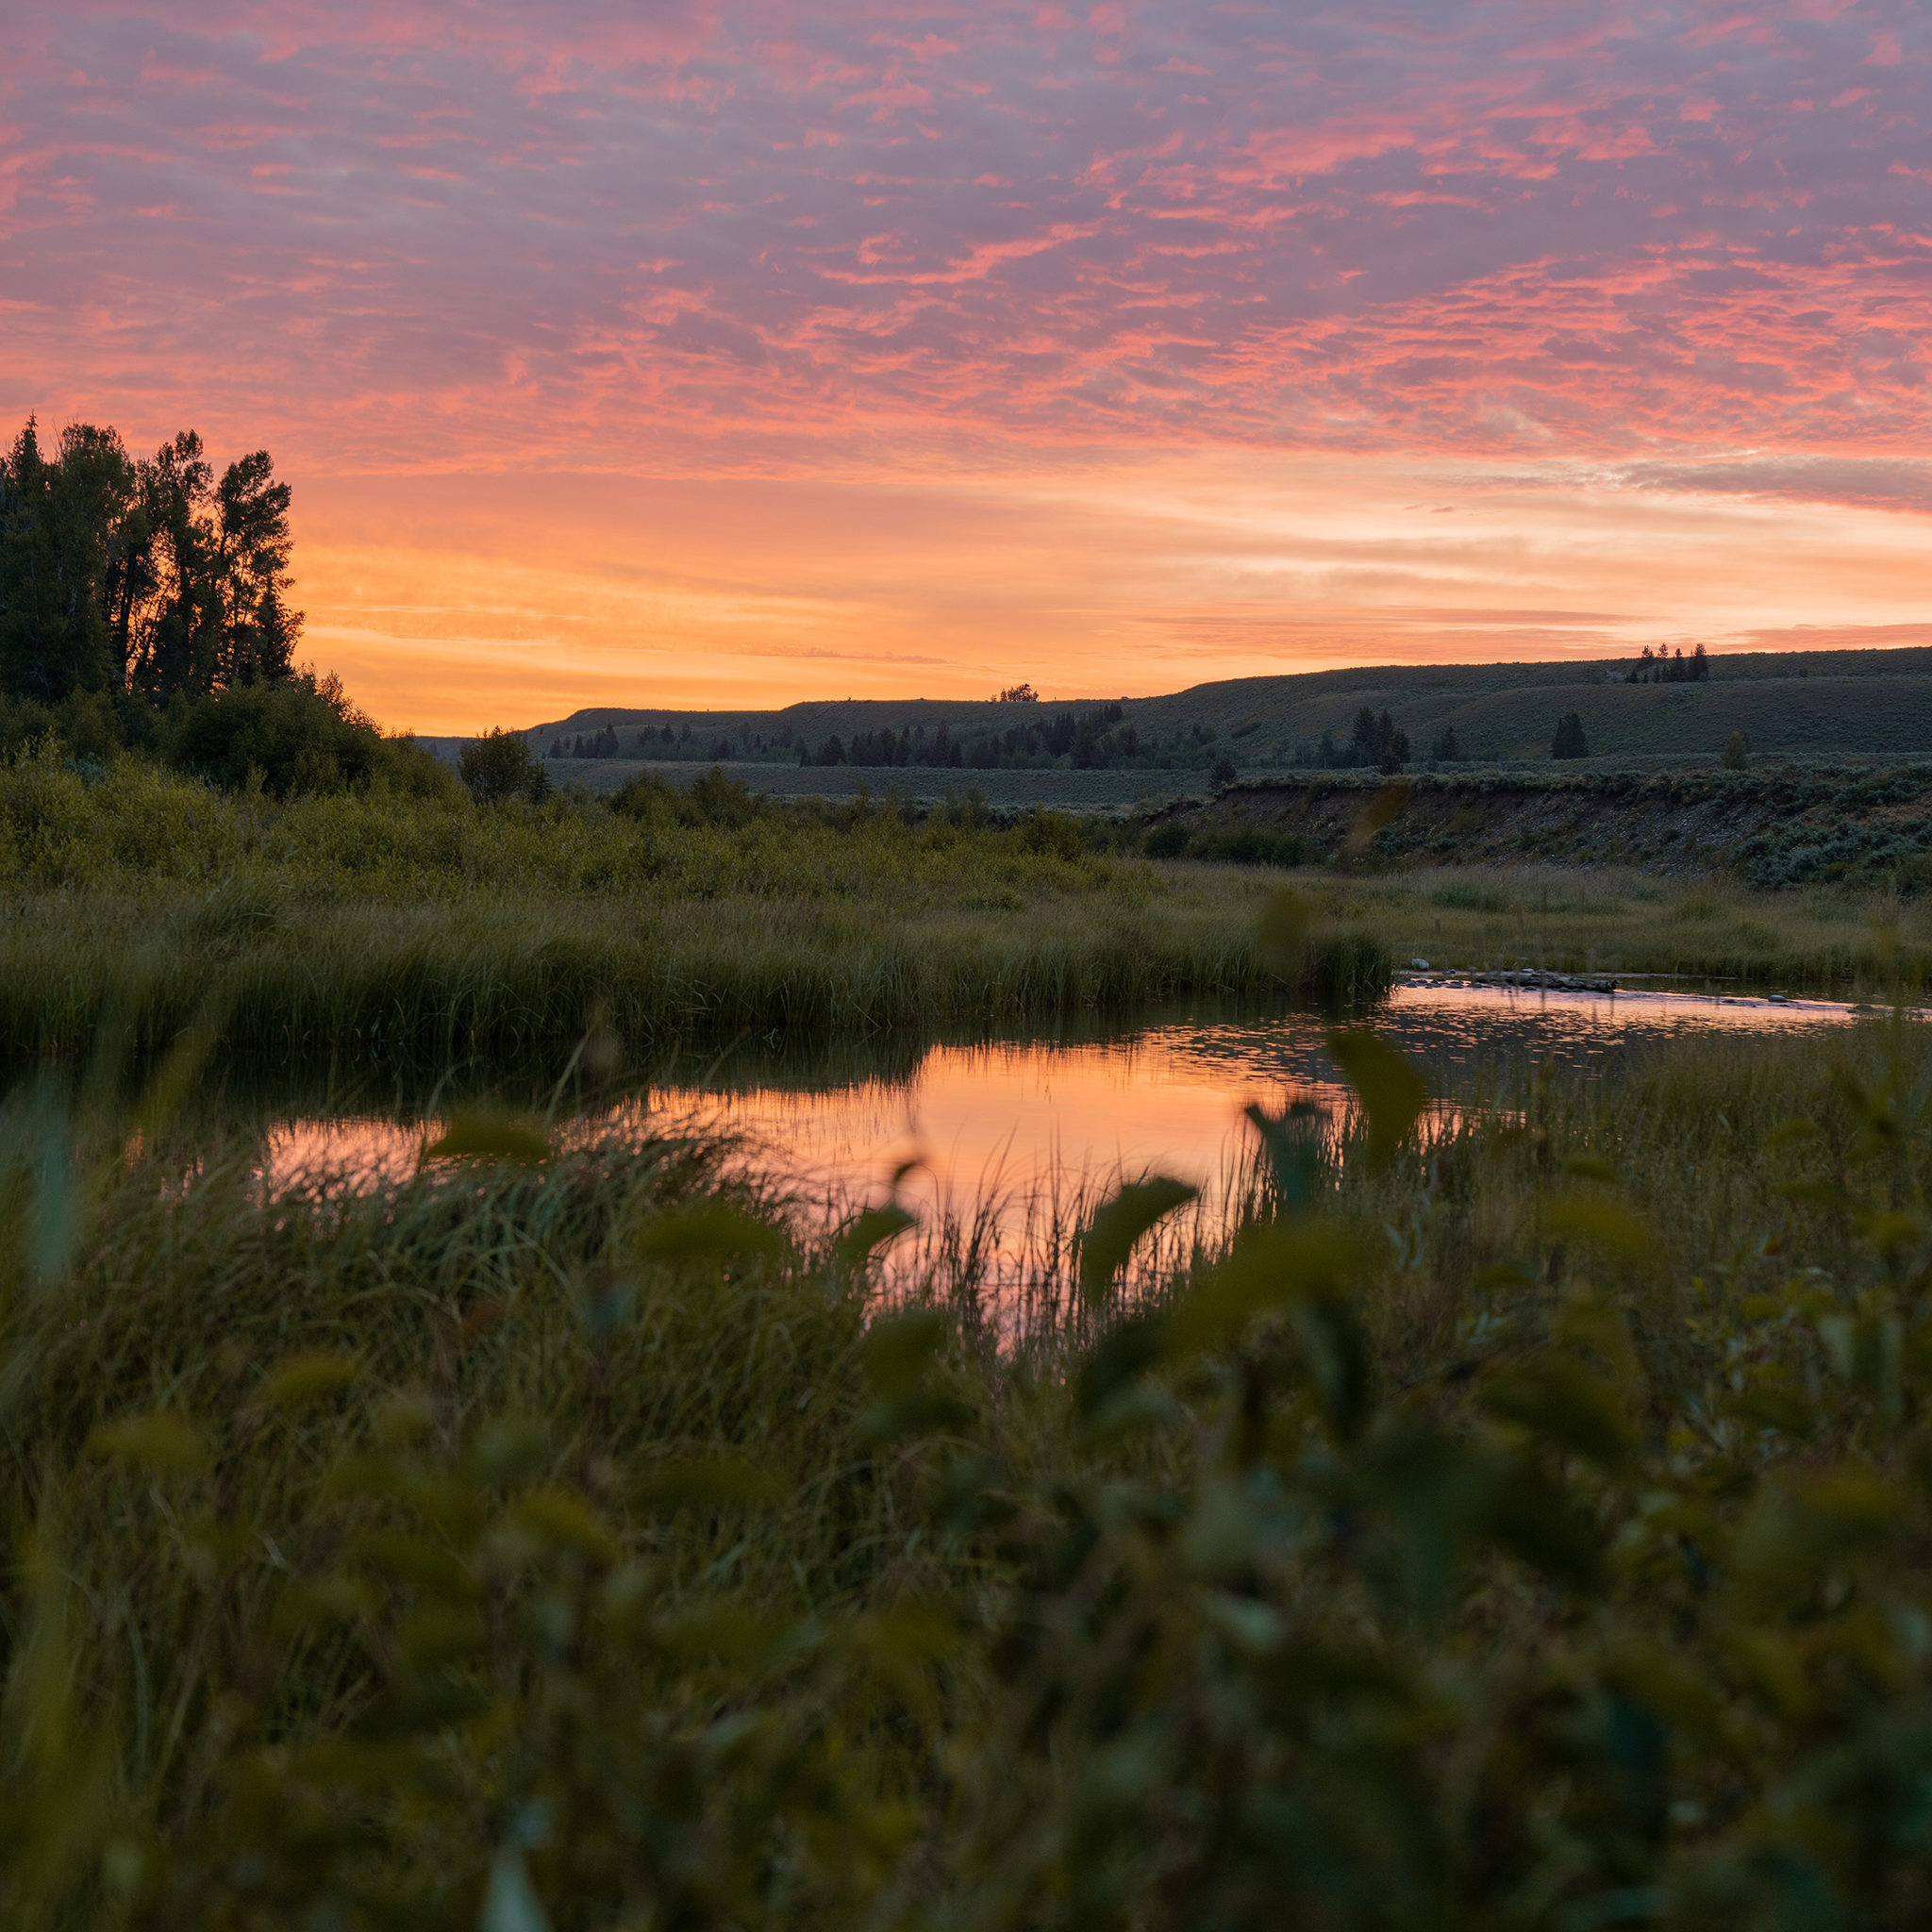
(150, 576)
(145, 606)
(1661, 666)
(1088, 740)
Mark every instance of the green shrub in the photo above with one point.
(292, 736)
(710, 799)
(500, 767)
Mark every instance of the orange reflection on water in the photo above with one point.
(1018, 1138)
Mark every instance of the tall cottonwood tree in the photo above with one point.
(149, 576)
(63, 524)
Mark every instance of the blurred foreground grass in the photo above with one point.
(1521, 1520)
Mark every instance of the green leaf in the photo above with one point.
(1589, 1167)
(870, 1232)
(563, 1520)
(1392, 1090)
(913, 1412)
(1266, 1269)
(508, 1450)
(900, 1350)
(1537, 1522)
(1798, 1534)
(1559, 1400)
(1382, 810)
(1602, 1224)
(1120, 1224)
(1335, 1350)
(715, 1230)
(1772, 1406)
(511, 1904)
(1293, 1147)
(1118, 1360)
(719, 1483)
(1288, 922)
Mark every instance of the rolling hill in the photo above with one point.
(1815, 706)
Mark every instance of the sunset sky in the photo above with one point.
(731, 354)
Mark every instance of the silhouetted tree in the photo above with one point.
(500, 766)
(63, 531)
(153, 576)
(1663, 668)
(1376, 742)
(1570, 742)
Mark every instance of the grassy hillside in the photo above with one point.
(1769, 828)
(1824, 704)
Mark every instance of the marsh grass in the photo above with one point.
(369, 928)
(1604, 920)
(379, 927)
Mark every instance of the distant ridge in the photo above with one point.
(1796, 703)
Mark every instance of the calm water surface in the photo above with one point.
(1018, 1134)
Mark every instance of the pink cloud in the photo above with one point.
(716, 238)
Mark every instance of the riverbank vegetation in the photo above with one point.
(378, 923)
(1613, 921)
(1518, 1523)
(399, 918)
(1769, 829)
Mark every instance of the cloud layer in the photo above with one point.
(1662, 244)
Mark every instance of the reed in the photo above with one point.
(361, 924)
(1575, 919)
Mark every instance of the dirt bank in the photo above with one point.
(1771, 830)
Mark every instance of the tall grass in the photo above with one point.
(1572, 919)
(364, 925)
(1516, 1519)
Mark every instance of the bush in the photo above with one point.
(1736, 755)
(292, 736)
(500, 766)
(711, 799)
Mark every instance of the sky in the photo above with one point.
(689, 352)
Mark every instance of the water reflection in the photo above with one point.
(1018, 1114)
(1013, 1138)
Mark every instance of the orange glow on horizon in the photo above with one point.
(742, 352)
(449, 605)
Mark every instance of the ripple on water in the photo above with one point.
(1019, 1135)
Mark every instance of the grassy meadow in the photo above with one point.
(1820, 940)
(376, 923)
(1518, 1520)
(367, 922)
